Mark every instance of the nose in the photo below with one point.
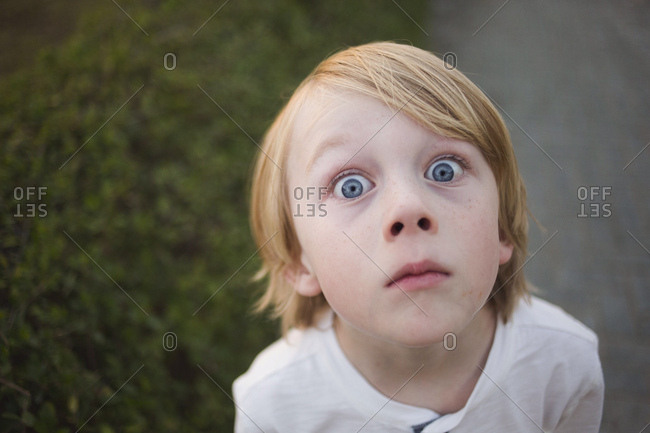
(423, 223)
(407, 214)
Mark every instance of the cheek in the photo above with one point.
(481, 241)
(340, 267)
(323, 247)
(339, 275)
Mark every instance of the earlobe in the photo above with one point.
(302, 278)
(505, 252)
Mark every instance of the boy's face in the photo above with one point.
(398, 226)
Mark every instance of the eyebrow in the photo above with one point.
(325, 145)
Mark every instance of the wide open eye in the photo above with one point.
(444, 170)
(351, 186)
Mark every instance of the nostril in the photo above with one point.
(424, 223)
(396, 228)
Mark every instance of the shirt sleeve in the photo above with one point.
(245, 424)
(585, 412)
(246, 411)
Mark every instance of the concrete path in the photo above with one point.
(572, 80)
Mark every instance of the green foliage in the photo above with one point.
(146, 207)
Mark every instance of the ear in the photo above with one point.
(505, 251)
(303, 279)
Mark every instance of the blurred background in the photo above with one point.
(571, 82)
(127, 135)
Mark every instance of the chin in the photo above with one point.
(421, 335)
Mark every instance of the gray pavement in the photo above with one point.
(572, 82)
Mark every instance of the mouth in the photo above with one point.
(419, 275)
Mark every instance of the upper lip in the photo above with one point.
(417, 268)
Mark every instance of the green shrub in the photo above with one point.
(146, 224)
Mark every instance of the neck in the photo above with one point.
(438, 378)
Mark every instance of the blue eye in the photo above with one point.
(444, 170)
(351, 186)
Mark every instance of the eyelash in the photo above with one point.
(334, 181)
(461, 161)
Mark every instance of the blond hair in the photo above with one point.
(436, 96)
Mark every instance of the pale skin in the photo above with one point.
(398, 194)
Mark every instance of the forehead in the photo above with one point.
(327, 121)
(319, 106)
(329, 118)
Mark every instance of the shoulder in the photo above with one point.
(549, 339)
(273, 363)
(283, 377)
(547, 362)
(542, 317)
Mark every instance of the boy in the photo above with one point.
(398, 279)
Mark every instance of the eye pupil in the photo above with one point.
(351, 188)
(443, 172)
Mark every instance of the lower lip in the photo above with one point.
(419, 282)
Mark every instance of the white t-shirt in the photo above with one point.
(542, 374)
